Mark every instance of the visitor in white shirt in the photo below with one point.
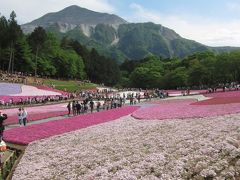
(24, 116)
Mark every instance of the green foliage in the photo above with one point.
(176, 78)
(70, 86)
(37, 38)
(23, 56)
(69, 65)
(143, 77)
(99, 69)
(104, 33)
(42, 52)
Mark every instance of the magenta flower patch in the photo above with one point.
(224, 94)
(34, 117)
(25, 135)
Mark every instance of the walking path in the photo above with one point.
(63, 106)
(27, 134)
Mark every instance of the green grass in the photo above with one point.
(69, 86)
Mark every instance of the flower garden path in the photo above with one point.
(27, 134)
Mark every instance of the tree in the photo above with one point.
(14, 32)
(197, 74)
(23, 56)
(3, 42)
(37, 39)
(143, 77)
(176, 78)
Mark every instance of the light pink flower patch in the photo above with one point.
(184, 109)
(224, 94)
(36, 113)
(25, 135)
(51, 89)
(34, 117)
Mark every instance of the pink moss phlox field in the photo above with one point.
(219, 100)
(224, 94)
(36, 113)
(51, 89)
(184, 109)
(205, 148)
(25, 135)
(34, 117)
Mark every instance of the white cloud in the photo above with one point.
(211, 32)
(28, 10)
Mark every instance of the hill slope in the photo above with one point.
(114, 37)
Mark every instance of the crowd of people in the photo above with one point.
(81, 107)
(106, 99)
(16, 77)
(33, 100)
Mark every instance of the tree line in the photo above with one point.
(41, 53)
(202, 69)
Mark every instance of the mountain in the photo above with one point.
(114, 37)
(72, 17)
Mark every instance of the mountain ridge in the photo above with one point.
(115, 37)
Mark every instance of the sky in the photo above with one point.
(211, 22)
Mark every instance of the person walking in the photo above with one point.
(24, 116)
(98, 106)
(69, 108)
(78, 106)
(91, 105)
(19, 114)
(74, 108)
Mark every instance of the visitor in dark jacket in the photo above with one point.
(3, 117)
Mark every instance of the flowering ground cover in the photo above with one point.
(180, 109)
(51, 89)
(25, 135)
(206, 148)
(34, 117)
(34, 91)
(8, 88)
(36, 113)
(17, 92)
(224, 94)
(219, 100)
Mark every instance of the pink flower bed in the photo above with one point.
(25, 135)
(13, 119)
(184, 109)
(219, 100)
(16, 95)
(51, 89)
(36, 113)
(224, 94)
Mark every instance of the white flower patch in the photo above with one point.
(133, 149)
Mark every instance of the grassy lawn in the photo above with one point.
(69, 86)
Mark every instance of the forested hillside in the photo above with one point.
(41, 53)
